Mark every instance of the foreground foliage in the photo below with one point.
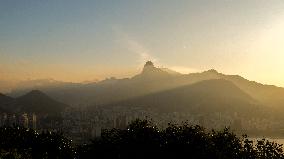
(141, 139)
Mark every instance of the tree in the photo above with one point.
(142, 139)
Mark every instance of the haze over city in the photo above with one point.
(80, 41)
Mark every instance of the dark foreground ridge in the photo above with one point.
(141, 139)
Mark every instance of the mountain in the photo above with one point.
(202, 97)
(269, 95)
(151, 80)
(38, 102)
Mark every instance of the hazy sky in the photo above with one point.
(77, 40)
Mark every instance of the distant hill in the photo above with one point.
(38, 102)
(34, 101)
(202, 97)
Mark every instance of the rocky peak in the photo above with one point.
(149, 67)
(149, 64)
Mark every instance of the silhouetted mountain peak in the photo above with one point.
(149, 67)
(149, 64)
(212, 71)
(39, 102)
(152, 72)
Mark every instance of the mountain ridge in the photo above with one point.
(153, 79)
(200, 97)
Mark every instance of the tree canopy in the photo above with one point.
(141, 139)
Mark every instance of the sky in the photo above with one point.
(73, 40)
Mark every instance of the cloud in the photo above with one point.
(143, 54)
